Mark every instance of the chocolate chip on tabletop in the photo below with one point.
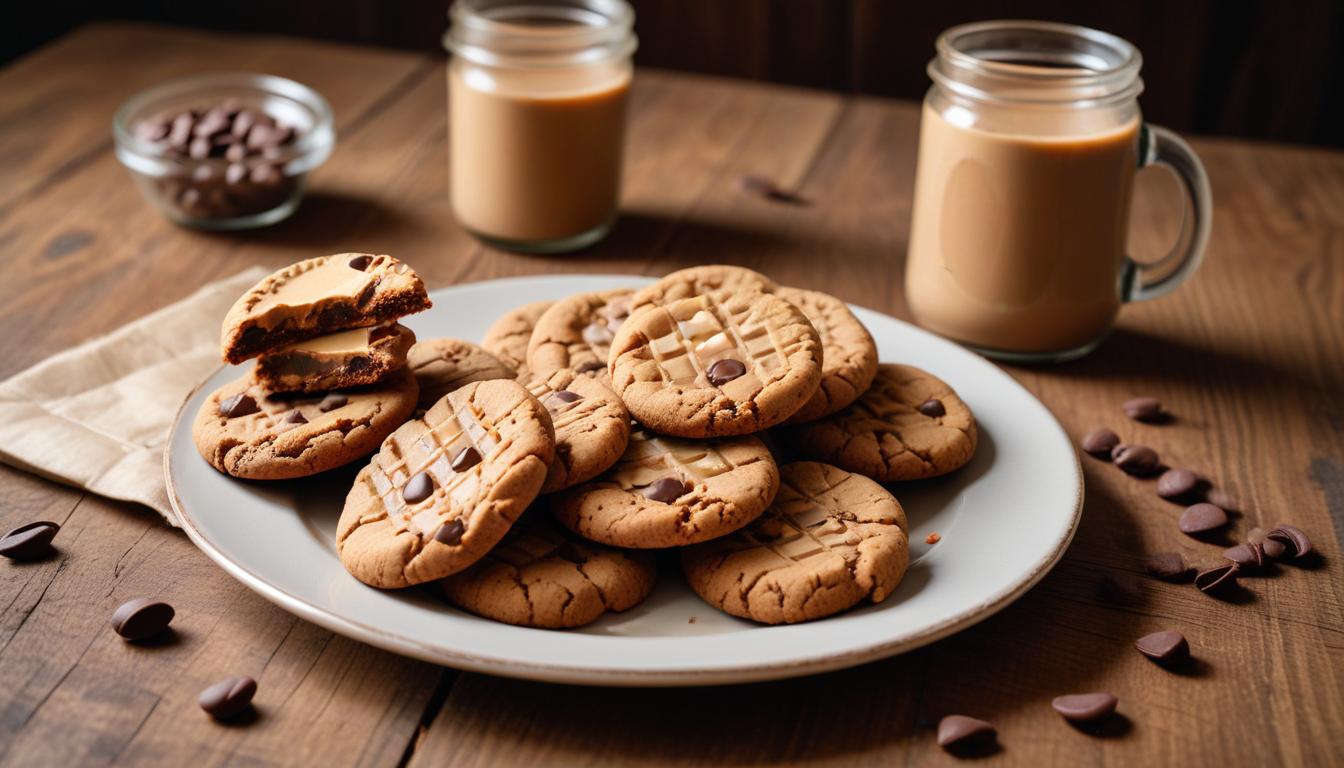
(1148, 409)
(1202, 519)
(1290, 542)
(30, 541)
(1100, 442)
(1085, 708)
(1178, 485)
(142, 618)
(1138, 460)
(1219, 580)
(229, 698)
(1167, 647)
(961, 732)
(1167, 566)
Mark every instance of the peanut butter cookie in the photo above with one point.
(507, 338)
(591, 427)
(354, 358)
(576, 333)
(849, 355)
(830, 540)
(442, 365)
(694, 281)
(444, 489)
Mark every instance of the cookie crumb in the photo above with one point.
(932, 538)
(691, 620)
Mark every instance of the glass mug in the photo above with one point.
(1029, 141)
(536, 119)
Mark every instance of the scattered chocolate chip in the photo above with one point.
(1273, 549)
(1136, 459)
(1295, 543)
(932, 408)
(1168, 566)
(1177, 484)
(332, 401)
(590, 366)
(565, 396)
(723, 371)
(1246, 555)
(1084, 707)
(465, 459)
(361, 262)
(240, 404)
(418, 488)
(142, 618)
(960, 730)
(665, 489)
(1221, 498)
(1202, 518)
(1218, 579)
(1100, 442)
(227, 699)
(595, 333)
(759, 185)
(29, 541)
(450, 533)
(1165, 647)
(1143, 409)
(296, 417)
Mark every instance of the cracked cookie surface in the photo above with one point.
(694, 281)
(507, 337)
(444, 489)
(591, 427)
(247, 431)
(713, 365)
(576, 333)
(669, 492)
(908, 425)
(849, 354)
(320, 296)
(830, 540)
(540, 575)
(442, 365)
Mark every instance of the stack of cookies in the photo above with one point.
(331, 380)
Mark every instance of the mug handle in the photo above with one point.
(1159, 146)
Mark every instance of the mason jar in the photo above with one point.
(537, 95)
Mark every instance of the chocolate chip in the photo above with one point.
(565, 396)
(1143, 409)
(465, 459)
(332, 401)
(199, 149)
(1177, 484)
(418, 488)
(266, 174)
(594, 333)
(1100, 442)
(960, 730)
(450, 533)
(361, 262)
(665, 489)
(1218, 579)
(227, 699)
(296, 417)
(29, 541)
(240, 404)
(723, 371)
(1168, 566)
(1294, 542)
(1273, 549)
(1246, 555)
(590, 366)
(1202, 518)
(141, 618)
(1136, 459)
(1221, 498)
(1165, 647)
(1084, 707)
(932, 408)
(235, 174)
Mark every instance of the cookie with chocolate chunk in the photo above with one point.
(445, 488)
(908, 425)
(591, 426)
(442, 365)
(317, 297)
(848, 353)
(540, 575)
(245, 430)
(716, 364)
(507, 337)
(576, 333)
(830, 540)
(669, 492)
(694, 281)
(352, 358)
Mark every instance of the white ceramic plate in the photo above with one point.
(1004, 520)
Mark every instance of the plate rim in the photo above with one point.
(588, 675)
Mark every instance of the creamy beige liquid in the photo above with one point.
(535, 155)
(1017, 240)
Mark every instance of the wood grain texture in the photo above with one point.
(1250, 356)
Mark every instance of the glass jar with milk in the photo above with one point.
(536, 119)
(1029, 141)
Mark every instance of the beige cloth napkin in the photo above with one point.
(97, 416)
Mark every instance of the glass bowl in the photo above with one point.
(213, 186)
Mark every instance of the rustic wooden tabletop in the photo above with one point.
(1250, 356)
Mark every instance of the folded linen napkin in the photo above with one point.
(97, 416)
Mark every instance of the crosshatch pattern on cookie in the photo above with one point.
(563, 414)
(525, 545)
(273, 411)
(432, 453)
(608, 314)
(649, 458)
(797, 527)
(703, 331)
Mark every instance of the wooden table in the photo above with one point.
(1250, 356)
